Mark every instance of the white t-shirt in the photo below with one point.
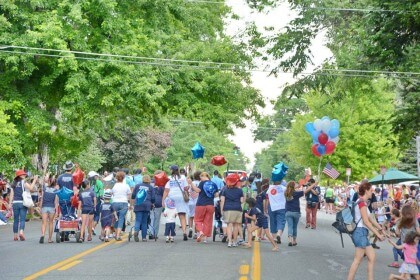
(173, 185)
(357, 215)
(120, 192)
(276, 197)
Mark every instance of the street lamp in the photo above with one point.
(383, 171)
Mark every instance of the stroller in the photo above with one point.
(150, 230)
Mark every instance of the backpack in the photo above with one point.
(210, 188)
(344, 221)
(141, 196)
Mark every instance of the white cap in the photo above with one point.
(92, 174)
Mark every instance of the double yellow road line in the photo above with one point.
(70, 262)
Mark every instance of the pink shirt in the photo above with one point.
(410, 253)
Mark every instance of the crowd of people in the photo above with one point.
(237, 206)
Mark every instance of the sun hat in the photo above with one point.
(232, 179)
(92, 174)
(20, 173)
(68, 165)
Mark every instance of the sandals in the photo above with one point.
(394, 264)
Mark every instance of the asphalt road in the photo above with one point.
(319, 255)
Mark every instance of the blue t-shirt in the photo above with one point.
(106, 212)
(203, 199)
(293, 205)
(18, 191)
(138, 179)
(87, 199)
(219, 182)
(232, 199)
(158, 196)
(150, 198)
(260, 200)
(258, 214)
(48, 197)
(65, 180)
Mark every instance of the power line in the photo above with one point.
(368, 10)
(213, 65)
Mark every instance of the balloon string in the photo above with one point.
(319, 169)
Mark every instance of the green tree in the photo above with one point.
(365, 113)
(58, 96)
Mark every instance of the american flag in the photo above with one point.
(330, 171)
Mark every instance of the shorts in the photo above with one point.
(88, 211)
(106, 223)
(409, 268)
(48, 210)
(35, 198)
(262, 223)
(360, 237)
(232, 216)
(329, 200)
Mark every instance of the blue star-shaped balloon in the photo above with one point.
(197, 151)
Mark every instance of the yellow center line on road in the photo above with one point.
(256, 262)
(70, 260)
(244, 269)
(70, 265)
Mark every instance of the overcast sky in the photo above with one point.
(269, 86)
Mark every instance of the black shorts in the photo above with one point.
(262, 223)
(88, 211)
(329, 200)
(35, 198)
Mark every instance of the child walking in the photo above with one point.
(256, 215)
(409, 266)
(87, 206)
(107, 213)
(170, 214)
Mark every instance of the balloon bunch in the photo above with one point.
(279, 172)
(324, 134)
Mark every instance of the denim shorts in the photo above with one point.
(360, 237)
(48, 210)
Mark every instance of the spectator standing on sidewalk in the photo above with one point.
(312, 203)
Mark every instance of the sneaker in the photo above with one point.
(240, 242)
(185, 237)
(144, 240)
(234, 244)
(167, 239)
(308, 226)
(229, 245)
(190, 233)
(101, 238)
(172, 239)
(136, 236)
(93, 232)
(374, 246)
(394, 264)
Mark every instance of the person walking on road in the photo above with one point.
(121, 193)
(312, 203)
(293, 194)
(360, 235)
(49, 207)
(157, 208)
(192, 203)
(98, 187)
(87, 206)
(277, 209)
(231, 200)
(204, 209)
(174, 189)
(16, 200)
(142, 210)
(65, 180)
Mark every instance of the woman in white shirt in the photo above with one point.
(173, 189)
(121, 193)
(360, 235)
